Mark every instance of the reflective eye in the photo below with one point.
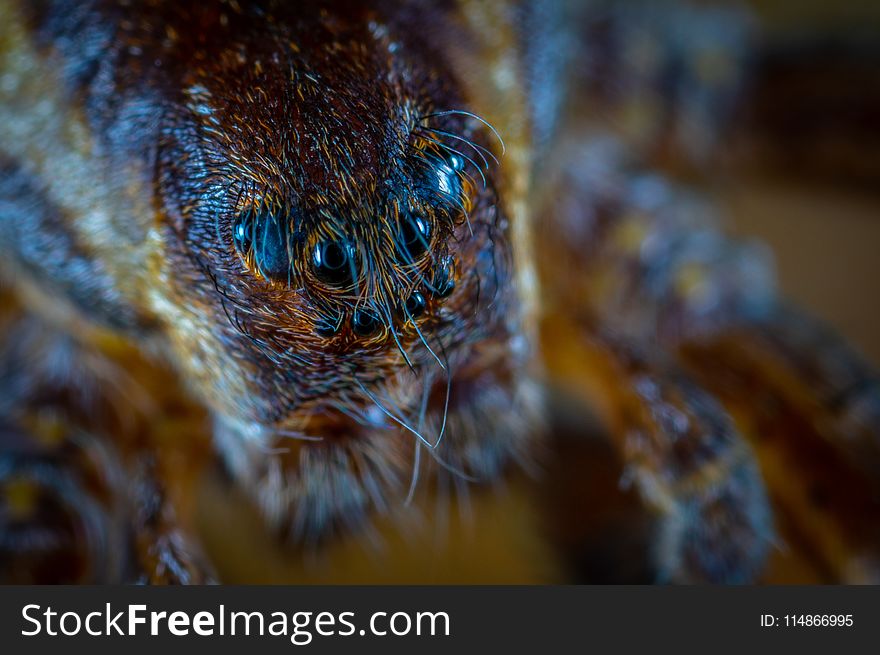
(264, 238)
(415, 236)
(332, 262)
(415, 305)
(443, 283)
(242, 233)
(448, 180)
(364, 323)
(455, 162)
(441, 180)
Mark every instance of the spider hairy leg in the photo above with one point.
(811, 406)
(681, 452)
(81, 500)
(654, 267)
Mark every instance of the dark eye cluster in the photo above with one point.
(263, 239)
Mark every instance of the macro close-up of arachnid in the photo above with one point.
(439, 292)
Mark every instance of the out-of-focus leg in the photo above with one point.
(84, 493)
(648, 263)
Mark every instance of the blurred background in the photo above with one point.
(806, 177)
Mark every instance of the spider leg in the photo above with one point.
(57, 522)
(654, 268)
(681, 452)
(101, 471)
(82, 496)
(812, 408)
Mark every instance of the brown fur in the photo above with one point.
(171, 169)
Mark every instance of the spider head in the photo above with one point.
(336, 248)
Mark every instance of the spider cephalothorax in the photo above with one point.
(334, 217)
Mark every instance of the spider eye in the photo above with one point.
(332, 262)
(262, 237)
(449, 183)
(241, 233)
(415, 305)
(415, 236)
(364, 323)
(441, 180)
(455, 162)
(443, 282)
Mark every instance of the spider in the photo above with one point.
(364, 260)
